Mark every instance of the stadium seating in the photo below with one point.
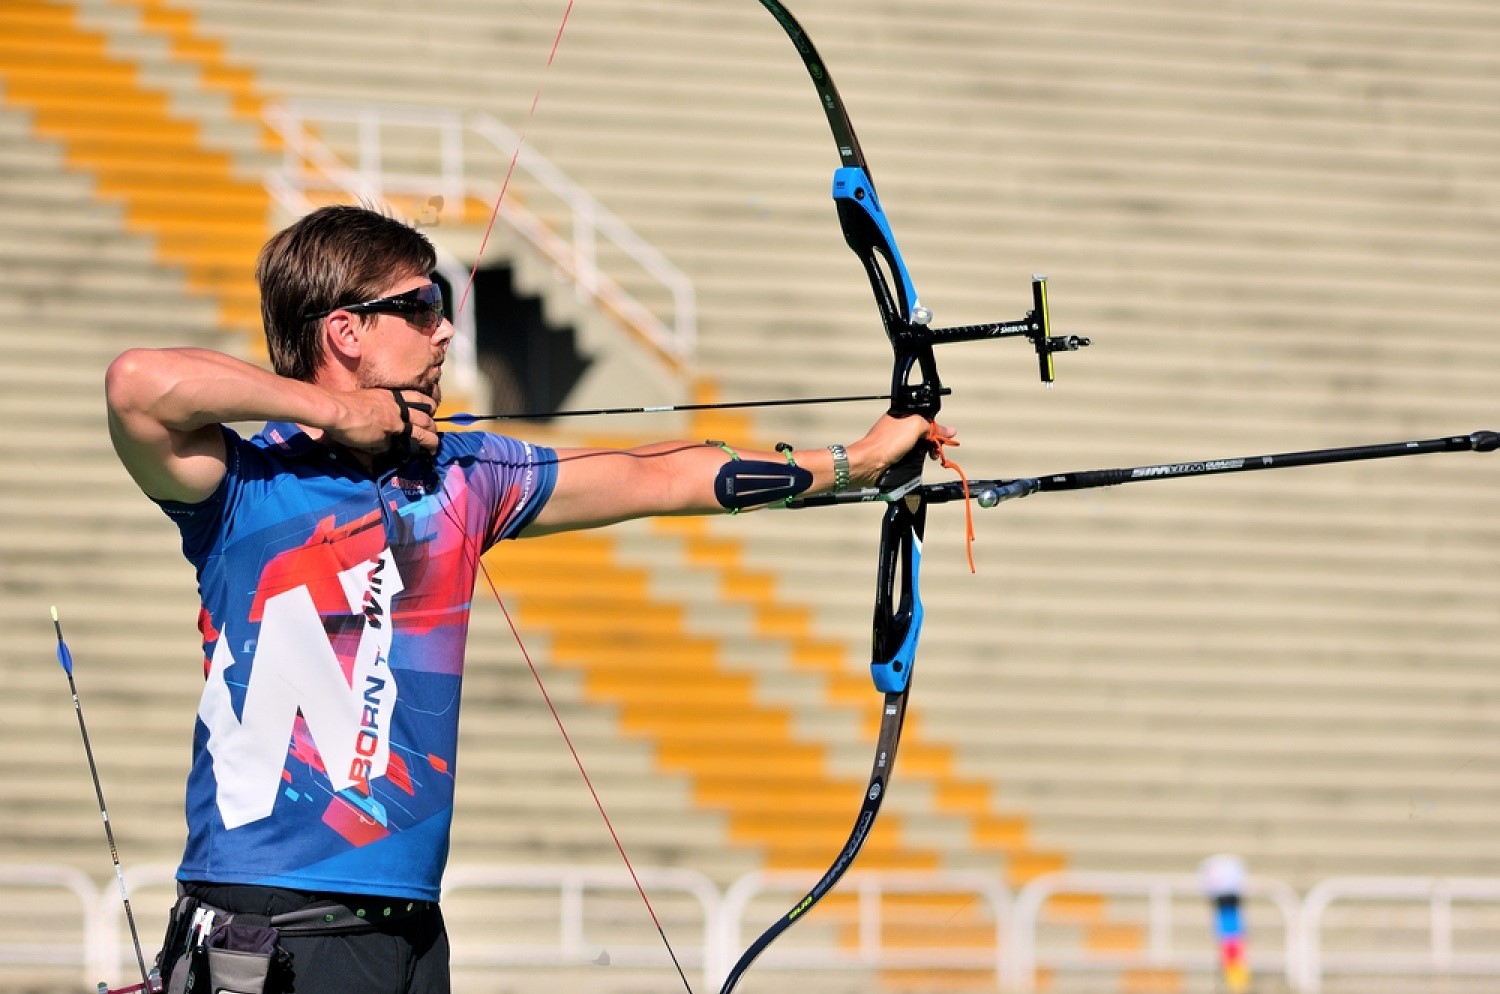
(1278, 226)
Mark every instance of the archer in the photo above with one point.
(336, 554)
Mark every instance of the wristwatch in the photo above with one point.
(840, 468)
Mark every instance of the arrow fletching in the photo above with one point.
(64, 655)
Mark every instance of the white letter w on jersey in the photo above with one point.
(295, 669)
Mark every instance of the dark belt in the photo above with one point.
(332, 916)
(319, 915)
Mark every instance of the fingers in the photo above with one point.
(906, 432)
(413, 400)
(395, 420)
(418, 430)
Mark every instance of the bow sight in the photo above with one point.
(1036, 327)
(907, 322)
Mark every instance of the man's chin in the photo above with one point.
(430, 385)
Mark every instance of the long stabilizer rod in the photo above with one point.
(988, 493)
(991, 492)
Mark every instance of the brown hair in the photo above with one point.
(334, 256)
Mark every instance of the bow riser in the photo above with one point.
(898, 619)
(866, 231)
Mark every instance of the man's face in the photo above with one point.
(399, 353)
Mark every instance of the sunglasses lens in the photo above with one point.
(432, 315)
(423, 307)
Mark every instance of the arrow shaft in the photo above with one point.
(65, 657)
(466, 419)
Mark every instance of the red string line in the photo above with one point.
(490, 580)
(938, 444)
(587, 780)
(514, 157)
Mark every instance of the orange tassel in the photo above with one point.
(938, 444)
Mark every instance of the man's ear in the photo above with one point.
(343, 333)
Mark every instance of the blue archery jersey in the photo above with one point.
(335, 613)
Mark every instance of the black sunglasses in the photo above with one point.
(423, 307)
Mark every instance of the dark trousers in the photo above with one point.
(404, 951)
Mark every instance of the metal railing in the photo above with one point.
(90, 947)
(720, 920)
(1160, 951)
(312, 167)
(870, 951)
(1439, 957)
(574, 945)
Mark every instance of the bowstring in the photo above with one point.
(587, 780)
(515, 156)
(490, 580)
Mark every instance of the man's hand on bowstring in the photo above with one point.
(386, 419)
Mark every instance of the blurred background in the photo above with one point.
(1279, 223)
